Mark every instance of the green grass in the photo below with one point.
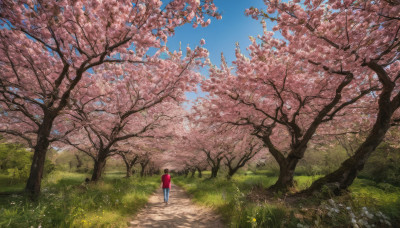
(8, 185)
(229, 198)
(380, 196)
(66, 201)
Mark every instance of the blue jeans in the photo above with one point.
(166, 194)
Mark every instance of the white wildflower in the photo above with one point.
(369, 215)
(336, 210)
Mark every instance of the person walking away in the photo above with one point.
(166, 185)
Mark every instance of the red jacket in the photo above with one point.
(166, 180)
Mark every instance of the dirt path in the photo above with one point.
(180, 212)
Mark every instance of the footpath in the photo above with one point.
(179, 212)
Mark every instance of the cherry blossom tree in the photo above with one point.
(104, 130)
(149, 160)
(200, 166)
(209, 141)
(137, 149)
(130, 157)
(353, 39)
(144, 102)
(245, 151)
(326, 67)
(205, 140)
(234, 146)
(192, 160)
(186, 157)
(47, 48)
(283, 99)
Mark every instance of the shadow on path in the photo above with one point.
(180, 212)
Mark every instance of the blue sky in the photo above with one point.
(221, 35)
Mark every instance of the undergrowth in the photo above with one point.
(367, 204)
(67, 201)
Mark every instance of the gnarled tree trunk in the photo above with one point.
(35, 177)
(286, 174)
(99, 166)
(343, 177)
(215, 164)
(128, 164)
(39, 156)
(234, 166)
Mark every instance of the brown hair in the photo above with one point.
(165, 170)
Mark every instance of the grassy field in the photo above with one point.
(66, 201)
(367, 203)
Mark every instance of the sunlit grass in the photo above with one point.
(303, 182)
(229, 199)
(247, 181)
(67, 201)
(384, 197)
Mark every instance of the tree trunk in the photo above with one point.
(142, 170)
(39, 156)
(199, 175)
(233, 169)
(35, 177)
(79, 165)
(99, 166)
(128, 167)
(193, 172)
(287, 165)
(343, 177)
(214, 171)
(231, 172)
(143, 167)
(128, 164)
(215, 166)
(286, 174)
(128, 171)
